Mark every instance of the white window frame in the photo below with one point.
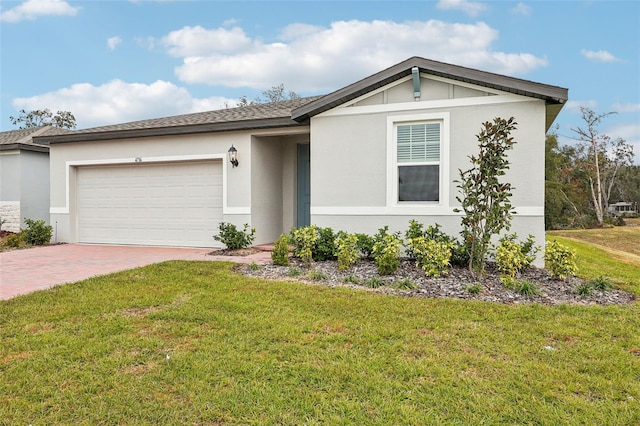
(426, 207)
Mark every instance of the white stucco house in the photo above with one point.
(24, 176)
(380, 151)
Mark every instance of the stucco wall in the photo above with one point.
(24, 188)
(170, 148)
(34, 185)
(349, 162)
(266, 189)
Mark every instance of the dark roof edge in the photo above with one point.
(265, 123)
(24, 147)
(552, 94)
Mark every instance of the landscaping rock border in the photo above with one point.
(454, 285)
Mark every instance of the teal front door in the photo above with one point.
(304, 186)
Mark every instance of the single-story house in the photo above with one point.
(24, 176)
(381, 151)
(623, 208)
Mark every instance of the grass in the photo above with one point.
(607, 258)
(193, 343)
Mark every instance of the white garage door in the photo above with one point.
(166, 204)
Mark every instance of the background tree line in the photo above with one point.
(583, 179)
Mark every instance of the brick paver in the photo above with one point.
(24, 271)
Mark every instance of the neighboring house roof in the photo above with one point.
(298, 111)
(554, 96)
(22, 139)
(259, 116)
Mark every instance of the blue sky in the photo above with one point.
(116, 61)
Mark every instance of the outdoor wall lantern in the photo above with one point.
(233, 156)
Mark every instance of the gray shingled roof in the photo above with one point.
(23, 138)
(269, 115)
(554, 96)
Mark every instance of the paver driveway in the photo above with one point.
(24, 271)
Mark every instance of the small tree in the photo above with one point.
(485, 199)
(44, 117)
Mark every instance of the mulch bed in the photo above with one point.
(239, 252)
(454, 285)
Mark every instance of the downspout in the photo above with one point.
(415, 71)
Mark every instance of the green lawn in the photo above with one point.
(609, 252)
(247, 351)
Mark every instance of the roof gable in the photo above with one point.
(554, 96)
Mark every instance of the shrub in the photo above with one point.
(474, 289)
(526, 288)
(37, 233)
(584, 289)
(253, 266)
(280, 253)
(560, 260)
(374, 282)
(347, 250)
(324, 248)
(386, 252)
(405, 284)
(317, 276)
(432, 232)
(513, 257)
(431, 255)
(352, 279)
(14, 240)
(601, 283)
(365, 245)
(304, 240)
(294, 272)
(234, 239)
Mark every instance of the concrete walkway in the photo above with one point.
(24, 271)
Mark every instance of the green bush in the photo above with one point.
(405, 284)
(512, 257)
(234, 239)
(386, 252)
(584, 289)
(433, 232)
(280, 253)
(14, 240)
(313, 243)
(325, 248)
(365, 245)
(526, 288)
(601, 283)
(317, 276)
(304, 240)
(560, 260)
(431, 255)
(374, 282)
(37, 233)
(347, 250)
(474, 289)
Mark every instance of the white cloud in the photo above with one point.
(316, 59)
(618, 107)
(33, 9)
(471, 8)
(113, 42)
(521, 9)
(197, 41)
(118, 102)
(599, 56)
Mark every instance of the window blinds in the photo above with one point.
(418, 143)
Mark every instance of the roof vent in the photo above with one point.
(416, 83)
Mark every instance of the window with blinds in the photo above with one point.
(418, 159)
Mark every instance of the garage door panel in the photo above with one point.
(177, 204)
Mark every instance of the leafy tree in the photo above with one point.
(44, 117)
(275, 94)
(485, 199)
(601, 159)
